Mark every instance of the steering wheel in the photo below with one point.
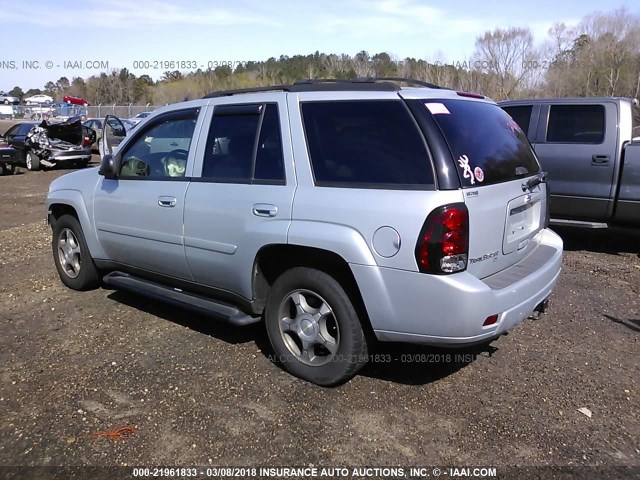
(178, 154)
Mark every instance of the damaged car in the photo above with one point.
(7, 159)
(49, 144)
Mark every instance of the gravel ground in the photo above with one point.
(199, 393)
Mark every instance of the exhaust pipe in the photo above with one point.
(540, 309)
(543, 306)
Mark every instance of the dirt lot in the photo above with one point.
(199, 393)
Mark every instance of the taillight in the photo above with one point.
(492, 320)
(470, 95)
(443, 244)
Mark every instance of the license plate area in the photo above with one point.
(524, 216)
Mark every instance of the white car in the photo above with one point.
(8, 99)
(139, 117)
(40, 98)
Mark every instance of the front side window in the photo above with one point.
(162, 150)
(576, 124)
(367, 144)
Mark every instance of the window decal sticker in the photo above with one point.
(513, 125)
(478, 173)
(463, 161)
(437, 108)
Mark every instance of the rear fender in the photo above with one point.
(340, 239)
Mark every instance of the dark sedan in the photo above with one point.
(49, 144)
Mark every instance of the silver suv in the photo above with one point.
(340, 212)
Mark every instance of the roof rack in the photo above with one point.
(385, 84)
(409, 81)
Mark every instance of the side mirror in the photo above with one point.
(109, 166)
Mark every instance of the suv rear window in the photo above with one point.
(487, 144)
(367, 144)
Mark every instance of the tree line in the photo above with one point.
(598, 57)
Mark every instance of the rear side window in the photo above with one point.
(487, 144)
(576, 124)
(521, 114)
(367, 144)
(232, 154)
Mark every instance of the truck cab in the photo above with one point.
(590, 149)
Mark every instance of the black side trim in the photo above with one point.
(221, 311)
(243, 304)
(446, 172)
(377, 186)
(155, 179)
(244, 109)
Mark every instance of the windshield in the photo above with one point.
(487, 144)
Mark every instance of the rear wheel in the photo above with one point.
(71, 255)
(33, 161)
(313, 327)
(7, 169)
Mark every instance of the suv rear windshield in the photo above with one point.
(487, 144)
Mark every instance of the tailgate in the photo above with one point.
(503, 223)
(500, 177)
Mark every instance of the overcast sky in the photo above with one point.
(121, 32)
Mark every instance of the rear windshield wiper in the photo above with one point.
(534, 181)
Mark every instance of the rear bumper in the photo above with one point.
(70, 155)
(8, 155)
(449, 310)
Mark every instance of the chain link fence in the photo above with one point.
(122, 111)
(62, 111)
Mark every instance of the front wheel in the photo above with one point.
(71, 255)
(33, 162)
(313, 327)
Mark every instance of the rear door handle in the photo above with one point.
(265, 210)
(600, 160)
(167, 201)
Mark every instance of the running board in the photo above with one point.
(221, 311)
(577, 223)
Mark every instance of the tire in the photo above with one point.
(71, 255)
(324, 342)
(6, 102)
(32, 161)
(7, 169)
